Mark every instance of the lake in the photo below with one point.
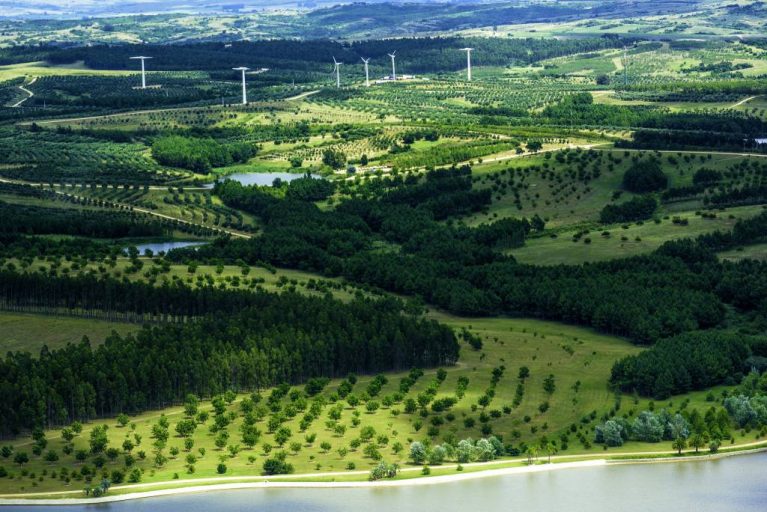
(258, 178)
(737, 484)
(156, 247)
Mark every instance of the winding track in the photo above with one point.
(743, 101)
(27, 91)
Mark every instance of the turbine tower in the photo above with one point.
(393, 69)
(244, 90)
(625, 62)
(338, 72)
(143, 69)
(367, 75)
(468, 62)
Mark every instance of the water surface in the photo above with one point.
(156, 247)
(258, 178)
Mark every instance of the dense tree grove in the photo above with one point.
(645, 176)
(638, 208)
(417, 55)
(263, 339)
(37, 220)
(199, 154)
(689, 361)
(647, 427)
(309, 189)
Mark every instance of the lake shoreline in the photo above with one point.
(284, 481)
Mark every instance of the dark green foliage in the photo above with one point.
(333, 158)
(645, 176)
(690, 361)
(265, 340)
(199, 154)
(704, 175)
(37, 220)
(638, 208)
(277, 466)
(419, 54)
(646, 298)
(309, 189)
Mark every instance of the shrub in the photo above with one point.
(645, 176)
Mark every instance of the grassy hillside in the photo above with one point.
(578, 358)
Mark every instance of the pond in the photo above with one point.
(259, 178)
(156, 247)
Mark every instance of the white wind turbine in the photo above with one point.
(367, 75)
(143, 69)
(393, 69)
(244, 90)
(338, 72)
(468, 62)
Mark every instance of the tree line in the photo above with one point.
(264, 339)
(38, 220)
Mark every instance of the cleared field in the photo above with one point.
(573, 190)
(619, 241)
(44, 69)
(755, 252)
(26, 332)
(226, 276)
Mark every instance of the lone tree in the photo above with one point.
(418, 452)
(334, 158)
(679, 444)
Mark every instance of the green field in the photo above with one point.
(26, 332)
(619, 241)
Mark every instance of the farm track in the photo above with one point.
(744, 101)
(27, 91)
(302, 95)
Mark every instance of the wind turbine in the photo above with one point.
(143, 69)
(244, 90)
(338, 72)
(367, 75)
(468, 62)
(393, 69)
(625, 62)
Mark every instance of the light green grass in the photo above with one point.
(545, 250)
(584, 203)
(755, 252)
(43, 69)
(26, 332)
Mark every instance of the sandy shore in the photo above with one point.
(294, 482)
(285, 484)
